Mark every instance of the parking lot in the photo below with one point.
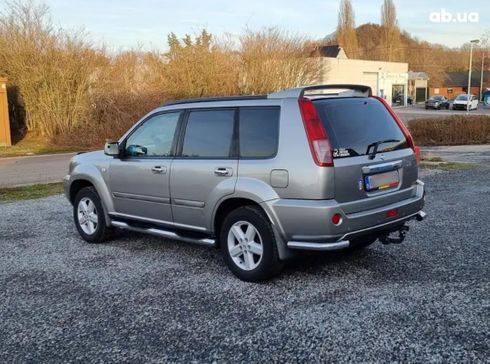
(141, 298)
(418, 111)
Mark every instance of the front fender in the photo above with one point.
(98, 177)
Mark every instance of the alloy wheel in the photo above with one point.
(245, 245)
(87, 216)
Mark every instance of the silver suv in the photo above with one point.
(314, 168)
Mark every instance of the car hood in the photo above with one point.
(95, 155)
(97, 158)
(460, 102)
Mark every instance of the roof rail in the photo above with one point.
(217, 98)
(298, 92)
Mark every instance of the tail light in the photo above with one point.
(321, 149)
(402, 126)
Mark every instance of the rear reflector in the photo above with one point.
(337, 219)
(391, 213)
(321, 149)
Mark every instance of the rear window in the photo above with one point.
(353, 124)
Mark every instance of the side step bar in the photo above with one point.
(164, 233)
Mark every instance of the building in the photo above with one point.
(5, 139)
(386, 79)
(417, 86)
(456, 83)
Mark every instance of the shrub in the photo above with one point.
(271, 60)
(452, 130)
(62, 87)
(51, 68)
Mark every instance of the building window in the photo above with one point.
(449, 90)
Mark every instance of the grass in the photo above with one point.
(34, 145)
(10, 194)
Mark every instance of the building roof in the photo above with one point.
(417, 75)
(332, 51)
(461, 78)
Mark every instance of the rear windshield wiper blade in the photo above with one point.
(375, 146)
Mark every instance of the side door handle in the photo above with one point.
(159, 169)
(223, 172)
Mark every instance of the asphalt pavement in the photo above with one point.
(418, 111)
(147, 299)
(18, 171)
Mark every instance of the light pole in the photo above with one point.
(378, 82)
(481, 76)
(468, 93)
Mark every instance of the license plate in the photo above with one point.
(382, 181)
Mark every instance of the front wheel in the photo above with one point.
(88, 214)
(249, 246)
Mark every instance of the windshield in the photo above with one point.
(354, 125)
(462, 97)
(437, 98)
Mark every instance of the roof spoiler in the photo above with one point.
(338, 89)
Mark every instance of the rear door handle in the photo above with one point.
(159, 169)
(223, 172)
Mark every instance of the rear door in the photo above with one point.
(206, 167)
(356, 128)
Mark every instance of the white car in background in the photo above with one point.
(461, 102)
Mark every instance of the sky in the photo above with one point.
(123, 24)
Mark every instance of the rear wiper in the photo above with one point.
(375, 146)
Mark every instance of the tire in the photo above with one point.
(447, 107)
(88, 207)
(250, 254)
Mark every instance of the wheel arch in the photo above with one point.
(233, 202)
(83, 180)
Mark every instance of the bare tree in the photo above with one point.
(390, 44)
(346, 29)
(271, 60)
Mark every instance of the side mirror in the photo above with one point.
(111, 149)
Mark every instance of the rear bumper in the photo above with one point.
(306, 224)
(344, 242)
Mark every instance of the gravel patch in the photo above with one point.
(141, 298)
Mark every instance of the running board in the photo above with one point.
(164, 233)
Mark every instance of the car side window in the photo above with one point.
(155, 137)
(209, 134)
(258, 131)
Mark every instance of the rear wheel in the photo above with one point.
(88, 214)
(249, 246)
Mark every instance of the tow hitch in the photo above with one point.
(388, 239)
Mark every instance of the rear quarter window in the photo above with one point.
(258, 132)
(353, 124)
